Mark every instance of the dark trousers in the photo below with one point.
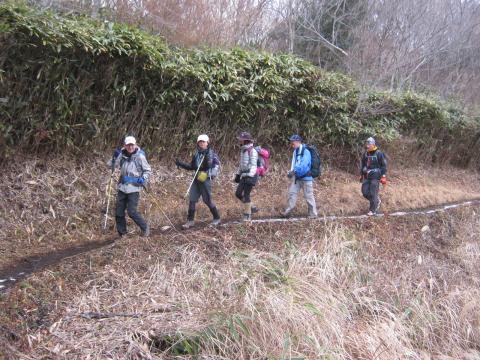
(243, 191)
(203, 190)
(370, 191)
(130, 203)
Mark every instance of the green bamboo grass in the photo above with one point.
(70, 83)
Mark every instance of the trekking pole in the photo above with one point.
(194, 177)
(108, 192)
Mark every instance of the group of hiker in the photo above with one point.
(305, 166)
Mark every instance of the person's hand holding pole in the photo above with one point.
(194, 177)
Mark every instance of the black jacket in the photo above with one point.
(373, 164)
(207, 162)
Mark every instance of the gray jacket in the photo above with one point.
(248, 161)
(131, 168)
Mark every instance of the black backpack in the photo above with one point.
(316, 164)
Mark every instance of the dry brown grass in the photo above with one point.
(54, 204)
(381, 288)
(377, 289)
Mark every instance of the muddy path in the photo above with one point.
(36, 263)
(30, 265)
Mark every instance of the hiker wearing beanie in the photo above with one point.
(373, 171)
(246, 176)
(206, 164)
(301, 177)
(134, 174)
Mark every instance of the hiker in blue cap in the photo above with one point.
(300, 177)
(373, 172)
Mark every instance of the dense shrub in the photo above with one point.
(68, 83)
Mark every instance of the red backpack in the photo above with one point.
(262, 162)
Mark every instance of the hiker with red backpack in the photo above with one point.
(246, 176)
(373, 172)
(205, 163)
(304, 167)
(263, 161)
(262, 167)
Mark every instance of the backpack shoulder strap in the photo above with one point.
(303, 150)
(138, 164)
(380, 156)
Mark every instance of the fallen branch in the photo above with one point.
(97, 315)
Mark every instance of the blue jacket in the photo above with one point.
(301, 163)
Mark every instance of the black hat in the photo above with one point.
(245, 136)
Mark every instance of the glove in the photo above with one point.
(383, 180)
(291, 174)
(141, 180)
(116, 153)
(237, 178)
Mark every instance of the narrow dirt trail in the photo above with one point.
(27, 266)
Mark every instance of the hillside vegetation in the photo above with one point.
(68, 82)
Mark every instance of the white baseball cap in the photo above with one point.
(130, 140)
(203, 137)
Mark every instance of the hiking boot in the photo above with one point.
(371, 213)
(254, 209)
(378, 205)
(247, 213)
(247, 217)
(215, 222)
(312, 216)
(188, 224)
(146, 233)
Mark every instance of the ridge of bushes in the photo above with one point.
(68, 83)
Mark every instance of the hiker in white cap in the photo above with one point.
(205, 163)
(134, 174)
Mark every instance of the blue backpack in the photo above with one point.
(316, 164)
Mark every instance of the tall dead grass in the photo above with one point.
(321, 297)
(56, 203)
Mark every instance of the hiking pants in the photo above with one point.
(244, 189)
(130, 203)
(293, 191)
(203, 190)
(370, 189)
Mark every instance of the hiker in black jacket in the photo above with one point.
(373, 172)
(206, 164)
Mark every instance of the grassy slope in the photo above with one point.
(377, 288)
(55, 204)
(343, 290)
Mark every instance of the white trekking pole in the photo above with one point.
(194, 177)
(108, 193)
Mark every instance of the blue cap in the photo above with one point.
(295, 137)
(370, 141)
